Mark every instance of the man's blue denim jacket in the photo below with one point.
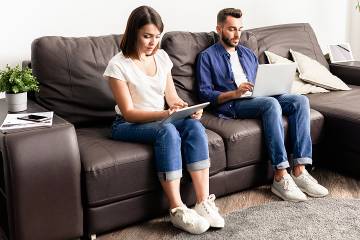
(214, 74)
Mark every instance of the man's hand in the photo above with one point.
(235, 94)
(243, 88)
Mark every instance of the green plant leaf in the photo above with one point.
(15, 89)
(16, 80)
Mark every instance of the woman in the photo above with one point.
(140, 79)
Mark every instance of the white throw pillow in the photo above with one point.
(298, 86)
(313, 72)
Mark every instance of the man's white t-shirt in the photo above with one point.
(147, 92)
(237, 69)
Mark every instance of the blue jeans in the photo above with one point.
(270, 110)
(185, 137)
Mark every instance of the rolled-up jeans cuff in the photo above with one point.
(170, 176)
(302, 161)
(282, 165)
(199, 165)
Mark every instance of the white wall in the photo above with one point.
(353, 30)
(22, 21)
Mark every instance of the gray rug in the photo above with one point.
(326, 218)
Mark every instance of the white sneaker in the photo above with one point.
(309, 185)
(210, 212)
(287, 190)
(188, 220)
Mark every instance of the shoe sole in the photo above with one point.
(273, 190)
(217, 225)
(313, 195)
(197, 233)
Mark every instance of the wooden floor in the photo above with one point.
(339, 186)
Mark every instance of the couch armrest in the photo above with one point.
(42, 182)
(349, 72)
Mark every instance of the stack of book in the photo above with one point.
(26, 120)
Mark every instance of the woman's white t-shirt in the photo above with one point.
(147, 92)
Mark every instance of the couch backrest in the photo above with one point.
(70, 69)
(70, 74)
(280, 38)
(183, 48)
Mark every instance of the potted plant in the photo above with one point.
(16, 82)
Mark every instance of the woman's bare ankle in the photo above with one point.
(298, 169)
(176, 204)
(202, 198)
(279, 173)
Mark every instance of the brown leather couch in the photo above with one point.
(116, 184)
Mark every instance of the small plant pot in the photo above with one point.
(16, 102)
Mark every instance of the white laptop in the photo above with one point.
(272, 79)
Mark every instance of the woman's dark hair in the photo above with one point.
(138, 18)
(223, 14)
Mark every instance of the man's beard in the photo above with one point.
(227, 41)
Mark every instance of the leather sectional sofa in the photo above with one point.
(72, 180)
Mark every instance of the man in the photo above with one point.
(226, 71)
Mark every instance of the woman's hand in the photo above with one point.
(197, 115)
(172, 109)
(181, 104)
(176, 106)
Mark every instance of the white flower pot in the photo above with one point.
(16, 102)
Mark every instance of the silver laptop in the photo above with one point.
(272, 79)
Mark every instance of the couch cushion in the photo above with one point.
(313, 72)
(342, 113)
(243, 137)
(70, 74)
(280, 38)
(183, 48)
(298, 85)
(115, 170)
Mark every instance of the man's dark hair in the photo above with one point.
(138, 18)
(223, 14)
